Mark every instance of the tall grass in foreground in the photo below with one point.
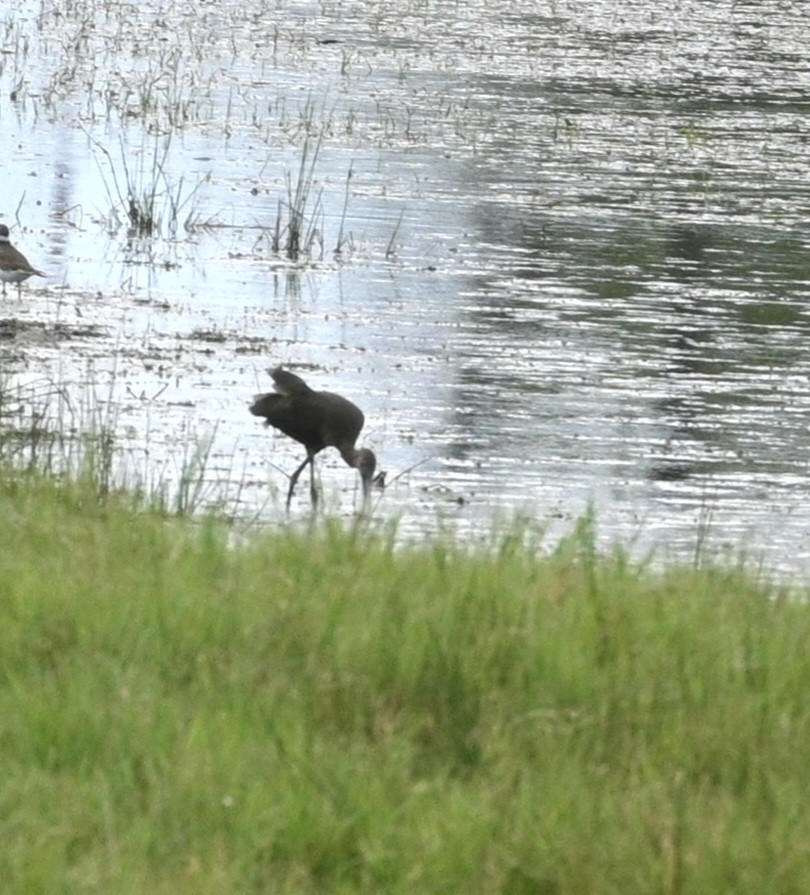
(313, 713)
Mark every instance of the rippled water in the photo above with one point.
(573, 266)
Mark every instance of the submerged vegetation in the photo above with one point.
(317, 712)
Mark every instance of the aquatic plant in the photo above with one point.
(391, 247)
(341, 239)
(301, 229)
(152, 203)
(48, 429)
(295, 232)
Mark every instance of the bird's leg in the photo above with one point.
(313, 491)
(294, 479)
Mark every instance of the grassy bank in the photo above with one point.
(316, 713)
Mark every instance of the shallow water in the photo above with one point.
(573, 265)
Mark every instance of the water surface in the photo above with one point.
(572, 263)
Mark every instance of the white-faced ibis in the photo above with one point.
(14, 266)
(317, 420)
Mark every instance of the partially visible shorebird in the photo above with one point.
(316, 420)
(14, 266)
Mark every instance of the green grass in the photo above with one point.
(318, 713)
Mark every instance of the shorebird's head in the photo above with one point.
(365, 463)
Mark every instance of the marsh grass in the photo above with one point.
(295, 232)
(152, 203)
(317, 712)
(49, 429)
(29, 437)
(342, 240)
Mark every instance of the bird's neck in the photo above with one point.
(349, 453)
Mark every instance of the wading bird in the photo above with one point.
(316, 420)
(14, 266)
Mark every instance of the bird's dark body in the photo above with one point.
(316, 420)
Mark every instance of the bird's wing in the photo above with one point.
(16, 261)
(288, 383)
